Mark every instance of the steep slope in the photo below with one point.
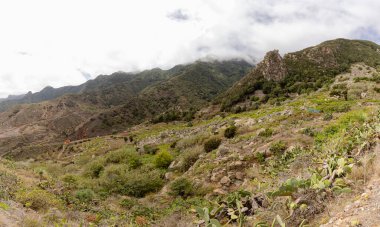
(303, 71)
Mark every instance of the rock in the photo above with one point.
(239, 175)
(174, 164)
(235, 164)
(222, 151)
(219, 191)
(225, 181)
(168, 175)
(217, 176)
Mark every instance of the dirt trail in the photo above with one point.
(362, 210)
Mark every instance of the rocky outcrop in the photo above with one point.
(272, 67)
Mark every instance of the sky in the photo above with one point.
(66, 42)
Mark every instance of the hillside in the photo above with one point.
(112, 103)
(177, 98)
(280, 157)
(302, 71)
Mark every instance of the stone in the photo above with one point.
(239, 175)
(217, 176)
(168, 175)
(222, 151)
(219, 191)
(225, 181)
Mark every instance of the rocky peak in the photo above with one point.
(272, 67)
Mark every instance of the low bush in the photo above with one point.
(37, 199)
(268, 132)
(85, 195)
(278, 148)
(163, 159)
(212, 144)
(181, 187)
(137, 183)
(150, 149)
(128, 203)
(125, 155)
(308, 131)
(260, 157)
(230, 131)
(189, 158)
(70, 180)
(8, 184)
(94, 168)
(140, 183)
(327, 117)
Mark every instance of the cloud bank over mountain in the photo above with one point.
(45, 42)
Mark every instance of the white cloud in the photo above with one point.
(48, 42)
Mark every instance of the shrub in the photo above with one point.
(137, 183)
(188, 159)
(181, 187)
(128, 203)
(8, 184)
(327, 117)
(260, 157)
(278, 148)
(149, 149)
(125, 155)
(308, 131)
(376, 89)
(255, 98)
(85, 195)
(212, 144)
(268, 132)
(163, 159)
(37, 199)
(70, 180)
(230, 131)
(94, 168)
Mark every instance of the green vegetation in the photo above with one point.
(307, 70)
(212, 144)
(181, 187)
(37, 199)
(163, 159)
(266, 132)
(292, 154)
(230, 132)
(278, 148)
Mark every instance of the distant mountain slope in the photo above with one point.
(189, 89)
(302, 71)
(114, 102)
(105, 89)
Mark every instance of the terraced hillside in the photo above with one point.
(287, 161)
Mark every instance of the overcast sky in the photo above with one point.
(66, 42)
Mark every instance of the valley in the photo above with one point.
(281, 143)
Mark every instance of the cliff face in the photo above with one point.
(272, 67)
